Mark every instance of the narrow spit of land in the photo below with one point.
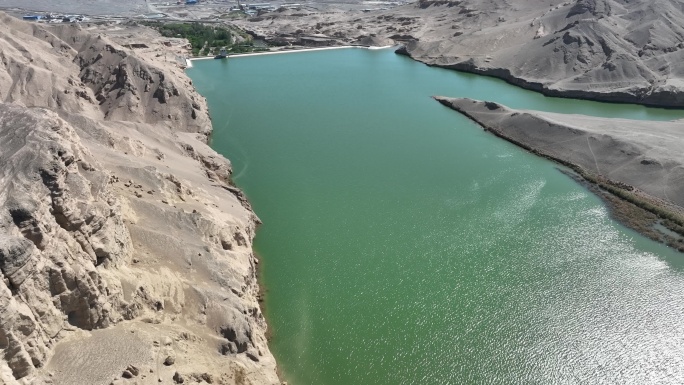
(636, 166)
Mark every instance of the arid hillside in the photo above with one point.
(612, 50)
(125, 252)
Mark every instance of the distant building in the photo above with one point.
(259, 6)
(190, 2)
(33, 17)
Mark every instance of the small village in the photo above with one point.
(205, 11)
(56, 18)
(195, 10)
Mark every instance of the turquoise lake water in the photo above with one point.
(402, 244)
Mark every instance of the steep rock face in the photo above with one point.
(124, 250)
(599, 49)
(58, 223)
(590, 8)
(83, 70)
(127, 88)
(26, 76)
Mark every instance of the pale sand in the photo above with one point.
(190, 60)
(638, 161)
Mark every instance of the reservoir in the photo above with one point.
(402, 244)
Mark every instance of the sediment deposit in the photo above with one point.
(125, 252)
(637, 161)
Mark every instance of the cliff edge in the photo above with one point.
(125, 252)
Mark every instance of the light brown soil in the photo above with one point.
(125, 254)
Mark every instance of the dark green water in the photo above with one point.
(403, 245)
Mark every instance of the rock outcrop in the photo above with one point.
(609, 50)
(59, 223)
(125, 253)
(593, 49)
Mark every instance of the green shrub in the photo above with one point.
(205, 39)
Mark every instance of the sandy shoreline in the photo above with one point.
(190, 60)
(636, 166)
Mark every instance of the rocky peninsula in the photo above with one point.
(636, 166)
(125, 251)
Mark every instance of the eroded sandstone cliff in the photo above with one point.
(125, 253)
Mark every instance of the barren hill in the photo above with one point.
(612, 50)
(125, 253)
(596, 49)
(636, 166)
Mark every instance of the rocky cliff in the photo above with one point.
(610, 50)
(125, 253)
(625, 51)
